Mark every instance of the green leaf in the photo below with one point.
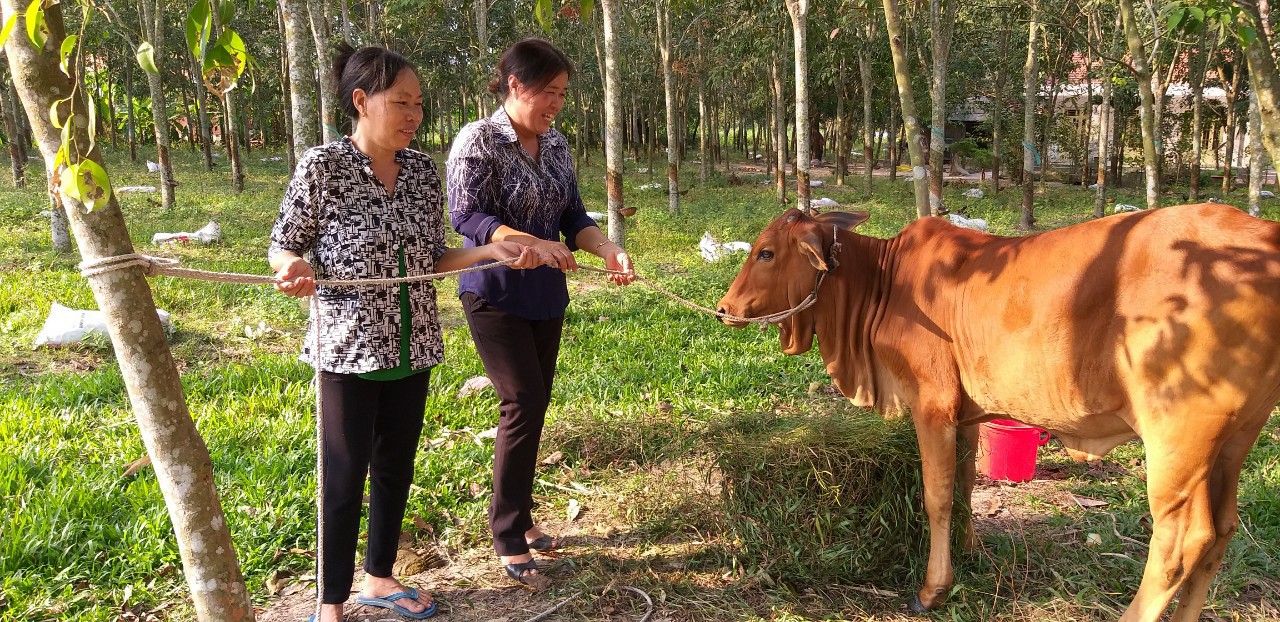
(1246, 34)
(86, 182)
(37, 30)
(587, 7)
(53, 113)
(1176, 16)
(8, 29)
(197, 27)
(92, 105)
(147, 58)
(68, 46)
(226, 12)
(542, 13)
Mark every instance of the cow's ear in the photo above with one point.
(844, 220)
(811, 247)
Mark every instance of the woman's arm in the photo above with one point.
(459, 258)
(593, 240)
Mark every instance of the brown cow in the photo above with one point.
(1162, 325)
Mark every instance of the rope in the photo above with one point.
(162, 266)
(617, 589)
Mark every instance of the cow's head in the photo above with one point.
(782, 269)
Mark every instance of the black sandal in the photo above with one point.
(545, 544)
(518, 571)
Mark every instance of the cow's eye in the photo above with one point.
(765, 255)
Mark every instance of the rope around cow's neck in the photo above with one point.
(162, 266)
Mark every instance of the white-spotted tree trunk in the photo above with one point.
(302, 84)
(178, 454)
(779, 129)
(942, 18)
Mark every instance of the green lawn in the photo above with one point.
(79, 541)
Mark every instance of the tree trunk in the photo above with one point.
(1256, 155)
(154, 23)
(11, 132)
(902, 75)
(1264, 78)
(202, 110)
(864, 69)
(942, 20)
(180, 457)
(613, 122)
(841, 120)
(1030, 86)
(1104, 144)
(230, 136)
(318, 13)
(997, 108)
(1142, 71)
(131, 126)
(1197, 118)
(704, 166)
(668, 90)
(779, 129)
(1232, 92)
(799, 11)
(301, 82)
(186, 112)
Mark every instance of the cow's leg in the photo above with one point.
(1181, 515)
(1224, 483)
(938, 461)
(966, 472)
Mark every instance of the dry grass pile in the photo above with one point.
(824, 498)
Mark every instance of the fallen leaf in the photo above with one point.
(574, 510)
(476, 489)
(1088, 503)
(278, 580)
(420, 523)
(1093, 539)
(556, 456)
(136, 465)
(665, 407)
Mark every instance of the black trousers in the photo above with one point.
(519, 357)
(370, 431)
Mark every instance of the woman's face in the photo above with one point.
(390, 118)
(536, 110)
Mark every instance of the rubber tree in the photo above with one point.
(907, 103)
(779, 127)
(153, 31)
(1146, 96)
(613, 121)
(799, 12)
(866, 35)
(178, 454)
(1031, 89)
(1263, 75)
(663, 12)
(229, 98)
(318, 14)
(1197, 115)
(942, 19)
(302, 108)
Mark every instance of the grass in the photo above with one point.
(645, 392)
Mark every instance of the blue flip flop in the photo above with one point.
(389, 602)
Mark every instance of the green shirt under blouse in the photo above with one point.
(404, 369)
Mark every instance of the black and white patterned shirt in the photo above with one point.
(336, 208)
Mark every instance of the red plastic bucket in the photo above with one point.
(1007, 449)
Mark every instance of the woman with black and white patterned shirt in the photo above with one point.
(511, 178)
(367, 206)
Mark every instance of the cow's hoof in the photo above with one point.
(916, 606)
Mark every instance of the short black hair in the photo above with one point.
(534, 62)
(371, 69)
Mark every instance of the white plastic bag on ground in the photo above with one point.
(1125, 207)
(124, 189)
(712, 250)
(653, 186)
(823, 202)
(153, 167)
(596, 216)
(974, 193)
(977, 224)
(64, 325)
(207, 234)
